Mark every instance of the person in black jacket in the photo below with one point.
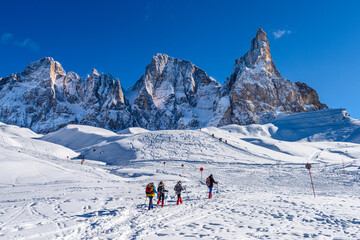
(210, 183)
(178, 188)
(161, 193)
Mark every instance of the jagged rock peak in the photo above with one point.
(94, 72)
(261, 35)
(160, 60)
(46, 62)
(259, 54)
(160, 56)
(260, 45)
(43, 69)
(173, 94)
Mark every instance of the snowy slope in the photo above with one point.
(264, 190)
(323, 125)
(284, 138)
(79, 136)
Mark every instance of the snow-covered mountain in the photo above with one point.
(172, 94)
(44, 98)
(256, 92)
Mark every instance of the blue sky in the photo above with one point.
(316, 42)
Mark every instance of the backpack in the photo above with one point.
(177, 187)
(161, 188)
(148, 189)
(208, 182)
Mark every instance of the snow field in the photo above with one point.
(264, 190)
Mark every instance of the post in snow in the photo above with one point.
(201, 170)
(164, 165)
(308, 166)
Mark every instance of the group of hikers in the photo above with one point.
(151, 191)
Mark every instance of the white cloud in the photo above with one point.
(279, 33)
(29, 44)
(5, 38)
(9, 39)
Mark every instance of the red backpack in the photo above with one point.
(148, 189)
(208, 182)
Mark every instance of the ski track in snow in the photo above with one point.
(254, 200)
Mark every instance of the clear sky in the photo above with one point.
(316, 42)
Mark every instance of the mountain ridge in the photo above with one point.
(171, 94)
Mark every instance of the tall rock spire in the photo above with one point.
(259, 54)
(256, 92)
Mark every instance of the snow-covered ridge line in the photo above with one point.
(172, 94)
(232, 143)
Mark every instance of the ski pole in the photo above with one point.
(145, 201)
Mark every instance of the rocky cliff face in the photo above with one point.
(256, 92)
(172, 94)
(44, 98)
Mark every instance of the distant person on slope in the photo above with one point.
(161, 193)
(150, 191)
(210, 183)
(178, 188)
